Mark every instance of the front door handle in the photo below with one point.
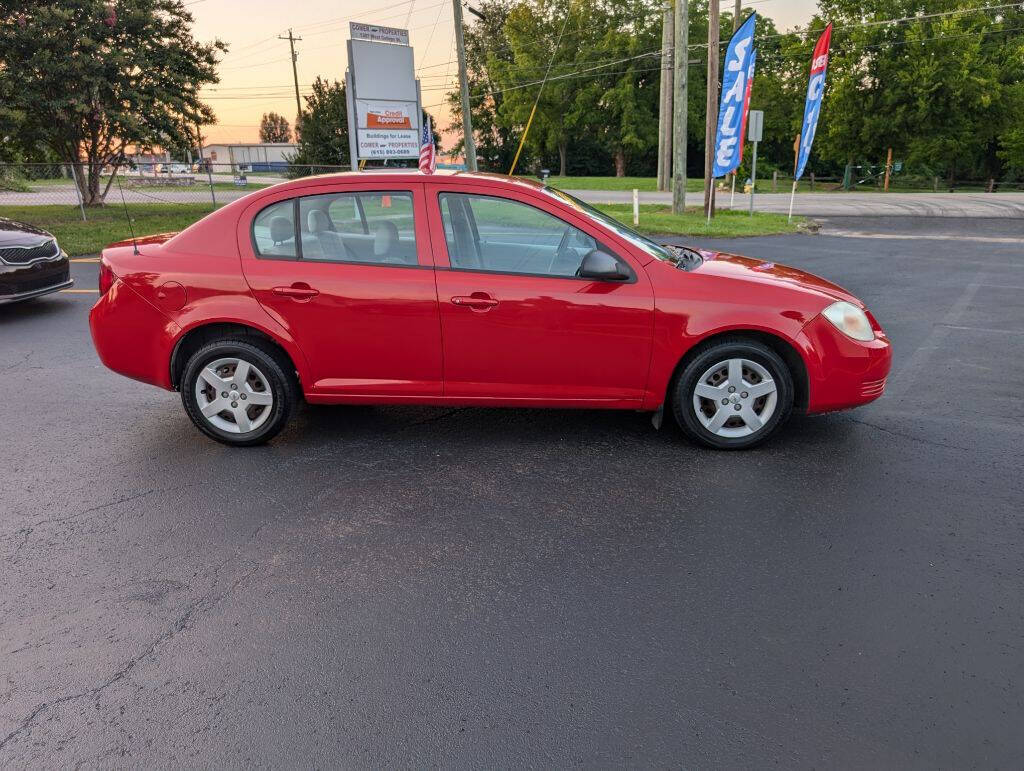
(298, 291)
(478, 301)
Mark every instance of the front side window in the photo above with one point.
(360, 227)
(640, 241)
(273, 230)
(504, 236)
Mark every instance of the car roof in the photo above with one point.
(413, 176)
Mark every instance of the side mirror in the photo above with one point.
(601, 266)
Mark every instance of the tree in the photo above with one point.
(89, 79)
(275, 128)
(627, 96)
(322, 134)
(938, 89)
(537, 46)
(495, 145)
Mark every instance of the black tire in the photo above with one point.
(719, 352)
(271, 364)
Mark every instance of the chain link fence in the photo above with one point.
(209, 184)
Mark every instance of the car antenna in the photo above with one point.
(131, 228)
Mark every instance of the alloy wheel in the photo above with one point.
(735, 398)
(234, 395)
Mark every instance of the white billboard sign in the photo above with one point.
(373, 143)
(378, 34)
(383, 95)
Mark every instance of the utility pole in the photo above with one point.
(680, 65)
(295, 75)
(467, 119)
(711, 124)
(665, 103)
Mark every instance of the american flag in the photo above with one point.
(428, 161)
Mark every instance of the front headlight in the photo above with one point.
(850, 320)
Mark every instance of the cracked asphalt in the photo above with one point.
(424, 587)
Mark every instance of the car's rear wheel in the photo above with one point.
(238, 392)
(734, 394)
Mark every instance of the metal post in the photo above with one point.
(753, 179)
(665, 102)
(353, 123)
(209, 176)
(636, 206)
(467, 119)
(78, 190)
(737, 10)
(680, 65)
(711, 122)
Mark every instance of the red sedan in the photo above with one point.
(471, 289)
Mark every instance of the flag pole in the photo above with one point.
(732, 195)
(711, 200)
(791, 197)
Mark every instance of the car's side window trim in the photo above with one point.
(471, 220)
(295, 227)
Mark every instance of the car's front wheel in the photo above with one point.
(733, 394)
(237, 392)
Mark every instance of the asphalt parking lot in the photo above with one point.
(421, 587)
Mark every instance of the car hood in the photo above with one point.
(772, 273)
(20, 233)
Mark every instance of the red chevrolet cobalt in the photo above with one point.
(471, 289)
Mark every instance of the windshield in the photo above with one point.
(659, 252)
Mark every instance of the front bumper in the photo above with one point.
(843, 372)
(23, 282)
(14, 298)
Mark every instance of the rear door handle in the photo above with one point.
(296, 291)
(477, 302)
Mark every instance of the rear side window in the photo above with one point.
(273, 230)
(358, 227)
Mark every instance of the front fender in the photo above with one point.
(679, 326)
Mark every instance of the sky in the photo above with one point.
(256, 73)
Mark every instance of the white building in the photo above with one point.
(269, 156)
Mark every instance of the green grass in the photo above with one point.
(201, 184)
(227, 186)
(644, 184)
(655, 218)
(764, 185)
(106, 224)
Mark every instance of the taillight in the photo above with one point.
(107, 277)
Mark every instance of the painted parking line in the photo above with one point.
(79, 291)
(85, 259)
